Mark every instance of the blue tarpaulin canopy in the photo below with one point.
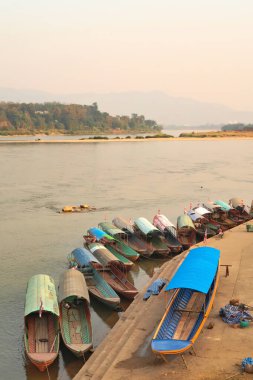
(99, 234)
(83, 257)
(197, 270)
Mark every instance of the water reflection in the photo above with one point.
(71, 363)
(149, 266)
(107, 315)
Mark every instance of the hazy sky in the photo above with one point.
(201, 49)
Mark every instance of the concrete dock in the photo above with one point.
(126, 354)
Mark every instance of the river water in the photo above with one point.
(129, 179)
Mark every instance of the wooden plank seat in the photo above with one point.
(189, 316)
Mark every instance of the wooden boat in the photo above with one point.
(97, 286)
(186, 231)
(219, 213)
(113, 276)
(96, 235)
(202, 226)
(104, 256)
(229, 214)
(192, 291)
(126, 264)
(75, 319)
(240, 206)
(207, 220)
(41, 334)
(169, 231)
(108, 240)
(128, 236)
(151, 235)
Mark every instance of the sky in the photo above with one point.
(201, 49)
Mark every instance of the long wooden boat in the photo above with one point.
(41, 334)
(207, 220)
(128, 236)
(230, 215)
(169, 231)
(192, 289)
(186, 231)
(97, 286)
(114, 277)
(151, 235)
(103, 255)
(108, 240)
(218, 215)
(202, 226)
(126, 263)
(75, 319)
(240, 206)
(97, 235)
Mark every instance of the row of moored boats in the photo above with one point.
(99, 269)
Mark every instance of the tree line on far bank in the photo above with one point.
(58, 118)
(237, 127)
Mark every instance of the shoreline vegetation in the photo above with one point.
(71, 119)
(57, 119)
(225, 135)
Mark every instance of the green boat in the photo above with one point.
(75, 319)
(107, 255)
(103, 237)
(146, 231)
(41, 334)
(127, 264)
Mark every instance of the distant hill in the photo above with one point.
(165, 109)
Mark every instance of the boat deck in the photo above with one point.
(190, 316)
(41, 333)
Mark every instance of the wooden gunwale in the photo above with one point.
(205, 316)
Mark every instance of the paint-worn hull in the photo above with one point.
(42, 362)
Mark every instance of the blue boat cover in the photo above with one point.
(197, 270)
(83, 257)
(99, 234)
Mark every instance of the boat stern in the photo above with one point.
(170, 346)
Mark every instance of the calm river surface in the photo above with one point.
(130, 179)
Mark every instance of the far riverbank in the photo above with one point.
(122, 140)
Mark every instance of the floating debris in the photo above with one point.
(81, 208)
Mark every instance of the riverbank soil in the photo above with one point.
(126, 354)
